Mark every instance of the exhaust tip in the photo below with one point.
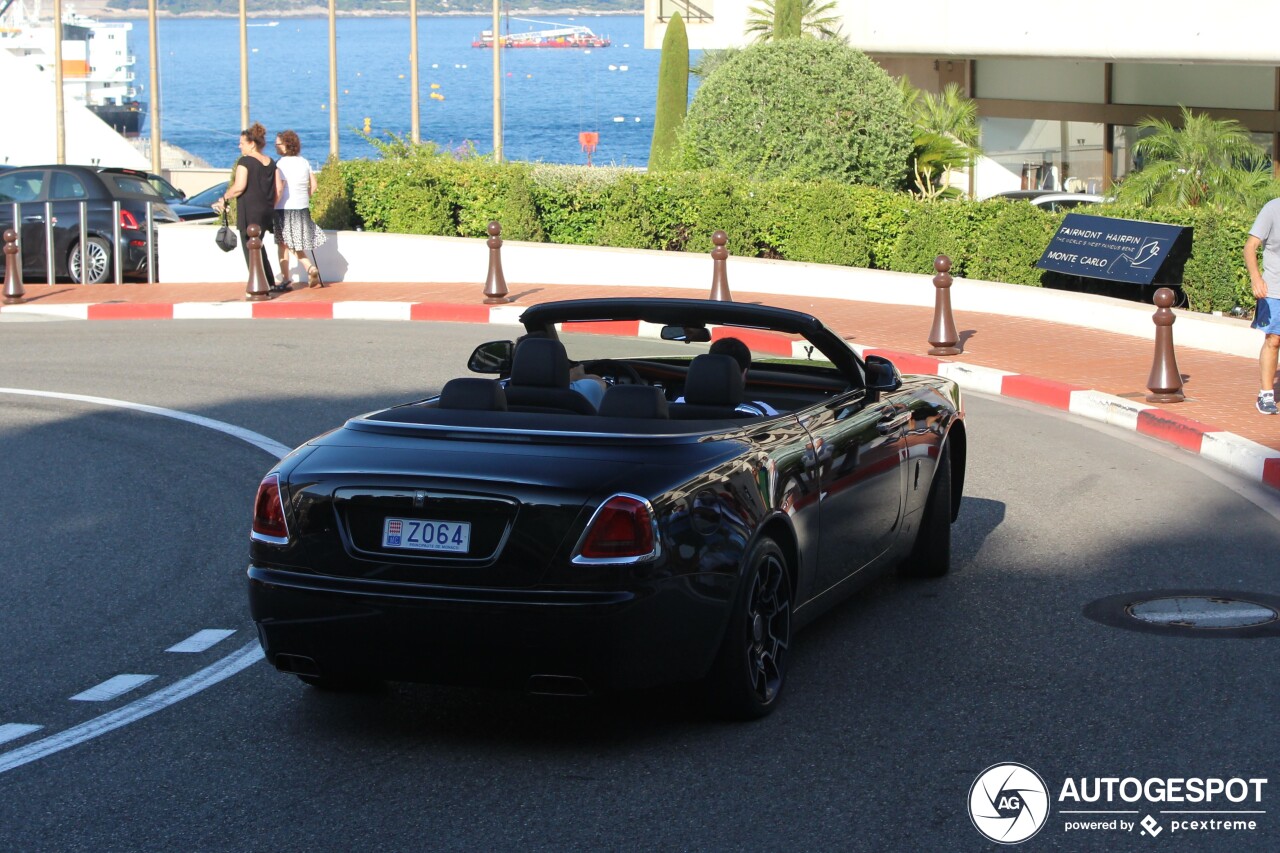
(297, 665)
(558, 685)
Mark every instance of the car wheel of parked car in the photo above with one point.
(748, 676)
(931, 554)
(97, 263)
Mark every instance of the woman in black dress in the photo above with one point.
(255, 186)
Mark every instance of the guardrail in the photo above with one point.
(43, 222)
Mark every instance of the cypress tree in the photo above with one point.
(673, 93)
(788, 19)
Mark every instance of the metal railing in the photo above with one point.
(23, 223)
(691, 12)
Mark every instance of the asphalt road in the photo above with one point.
(125, 533)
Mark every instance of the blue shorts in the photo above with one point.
(1267, 317)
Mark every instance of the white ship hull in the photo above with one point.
(97, 67)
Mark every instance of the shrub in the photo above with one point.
(802, 109)
(673, 93)
(1011, 243)
(488, 191)
(818, 223)
(331, 204)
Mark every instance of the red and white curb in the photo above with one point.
(1249, 459)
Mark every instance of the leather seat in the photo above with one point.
(539, 379)
(475, 394)
(634, 401)
(712, 389)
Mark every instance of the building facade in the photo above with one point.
(1059, 89)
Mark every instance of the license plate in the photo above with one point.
(417, 534)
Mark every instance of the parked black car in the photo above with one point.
(188, 208)
(508, 532)
(29, 193)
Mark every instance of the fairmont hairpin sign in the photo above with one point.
(1124, 250)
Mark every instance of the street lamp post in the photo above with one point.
(60, 119)
(415, 132)
(154, 71)
(333, 79)
(244, 66)
(497, 84)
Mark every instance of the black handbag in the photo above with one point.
(226, 238)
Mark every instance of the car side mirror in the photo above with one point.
(492, 357)
(882, 374)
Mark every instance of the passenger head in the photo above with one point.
(255, 134)
(288, 143)
(734, 348)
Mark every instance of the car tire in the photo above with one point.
(750, 671)
(931, 554)
(342, 683)
(98, 263)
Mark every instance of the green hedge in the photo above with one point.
(818, 222)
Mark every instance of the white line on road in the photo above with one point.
(258, 440)
(207, 677)
(136, 710)
(201, 640)
(111, 688)
(13, 731)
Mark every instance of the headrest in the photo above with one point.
(540, 362)
(713, 380)
(634, 401)
(473, 393)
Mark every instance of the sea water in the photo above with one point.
(548, 97)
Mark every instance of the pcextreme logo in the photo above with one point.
(1009, 803)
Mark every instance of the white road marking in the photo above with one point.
(207, 677)
(134, 711)
(111, 688)
(201, 640)
(258, 440)
(13, 731)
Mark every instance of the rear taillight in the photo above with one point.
(269, 524)
(128, 221)
(623, 530)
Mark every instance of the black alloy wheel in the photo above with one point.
(747, 679)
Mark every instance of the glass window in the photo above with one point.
(1038, 154)
(66, 186)
(130, 185)
(20, 186)
(1243, 87)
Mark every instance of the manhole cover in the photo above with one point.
(1202, 612)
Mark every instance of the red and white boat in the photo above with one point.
(557, 35)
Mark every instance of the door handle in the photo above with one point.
(892, 420)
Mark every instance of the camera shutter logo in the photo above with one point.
(1008, 803)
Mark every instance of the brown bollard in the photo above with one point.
(720, 268)
(943, 335)
(495, 284)
(13, 290)
(1165, 382)
(258, 288)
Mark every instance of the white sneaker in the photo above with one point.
(1267, 403)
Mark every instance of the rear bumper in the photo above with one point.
(654, 633)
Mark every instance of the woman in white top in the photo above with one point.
(295, 232)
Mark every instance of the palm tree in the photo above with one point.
(819, 20)
(1206, 161)
(945, 136)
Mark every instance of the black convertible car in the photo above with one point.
(510, 531)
